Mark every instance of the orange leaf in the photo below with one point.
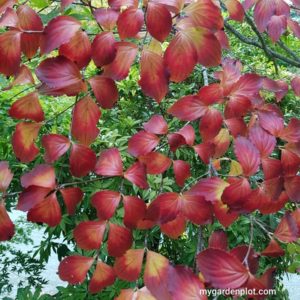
(88, 235)
(27, 107)
(128, 267)
(23, 141)
(5, 176)
(103, 276)
(156, 275)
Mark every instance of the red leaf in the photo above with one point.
(247, 87)
(174, 6)
(61, 76)
(109, 163)
(41, 175)
(295, 83)
(128, 267)
(223, 214)
(264, 142)
(237, 193)
(155, 162)
(205, 151)
(71, 196)
(130, 22)
(4, 4)
(291, 132)
(74, 268)
(247, 155)
(158, 21)
(235, 9)
(136, 174)
(10, 51)
(175, 140)
(270, 206)
(240, 253)
(104, 49)
(292, 188)
(210, 124)
(106, 17)
(119, 68)
(221, 142)
(55, 145)
(118, 4)
(88, 235)
(180, 57)
(294, 26)
(218, 240)
(23, 76)
(105, 91)
(59, 31)
(277, 27)
(5, 176)
(103, 276)
(175, 228)
(271, 122)
(273, 249)
(181, 171)
(222, 37)
(272, 168)
(222, 269)
(156, 125)
(290, 162)
(188, 134)
(154, 76)
(86, 115)
(188, 108)
(156, 275)
(31, 21)
(142, 143)
(210, 188)
(195, 208)
(206, 44)
(211, 94)
(27, 107)
(23, 141)
(119, 240)
(263, 12)
(287, 230)
(9, 18)
(205, 13)
(134, 211)
(47, 211)
(164, 208)
(32, 196)
(106, 203)
(184, 284)
(65, 3)
(82, 160)
(7, 228)
(78, 49)
(236, 126)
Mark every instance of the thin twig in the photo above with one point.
(245, 261)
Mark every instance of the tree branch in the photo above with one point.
(254, 43)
